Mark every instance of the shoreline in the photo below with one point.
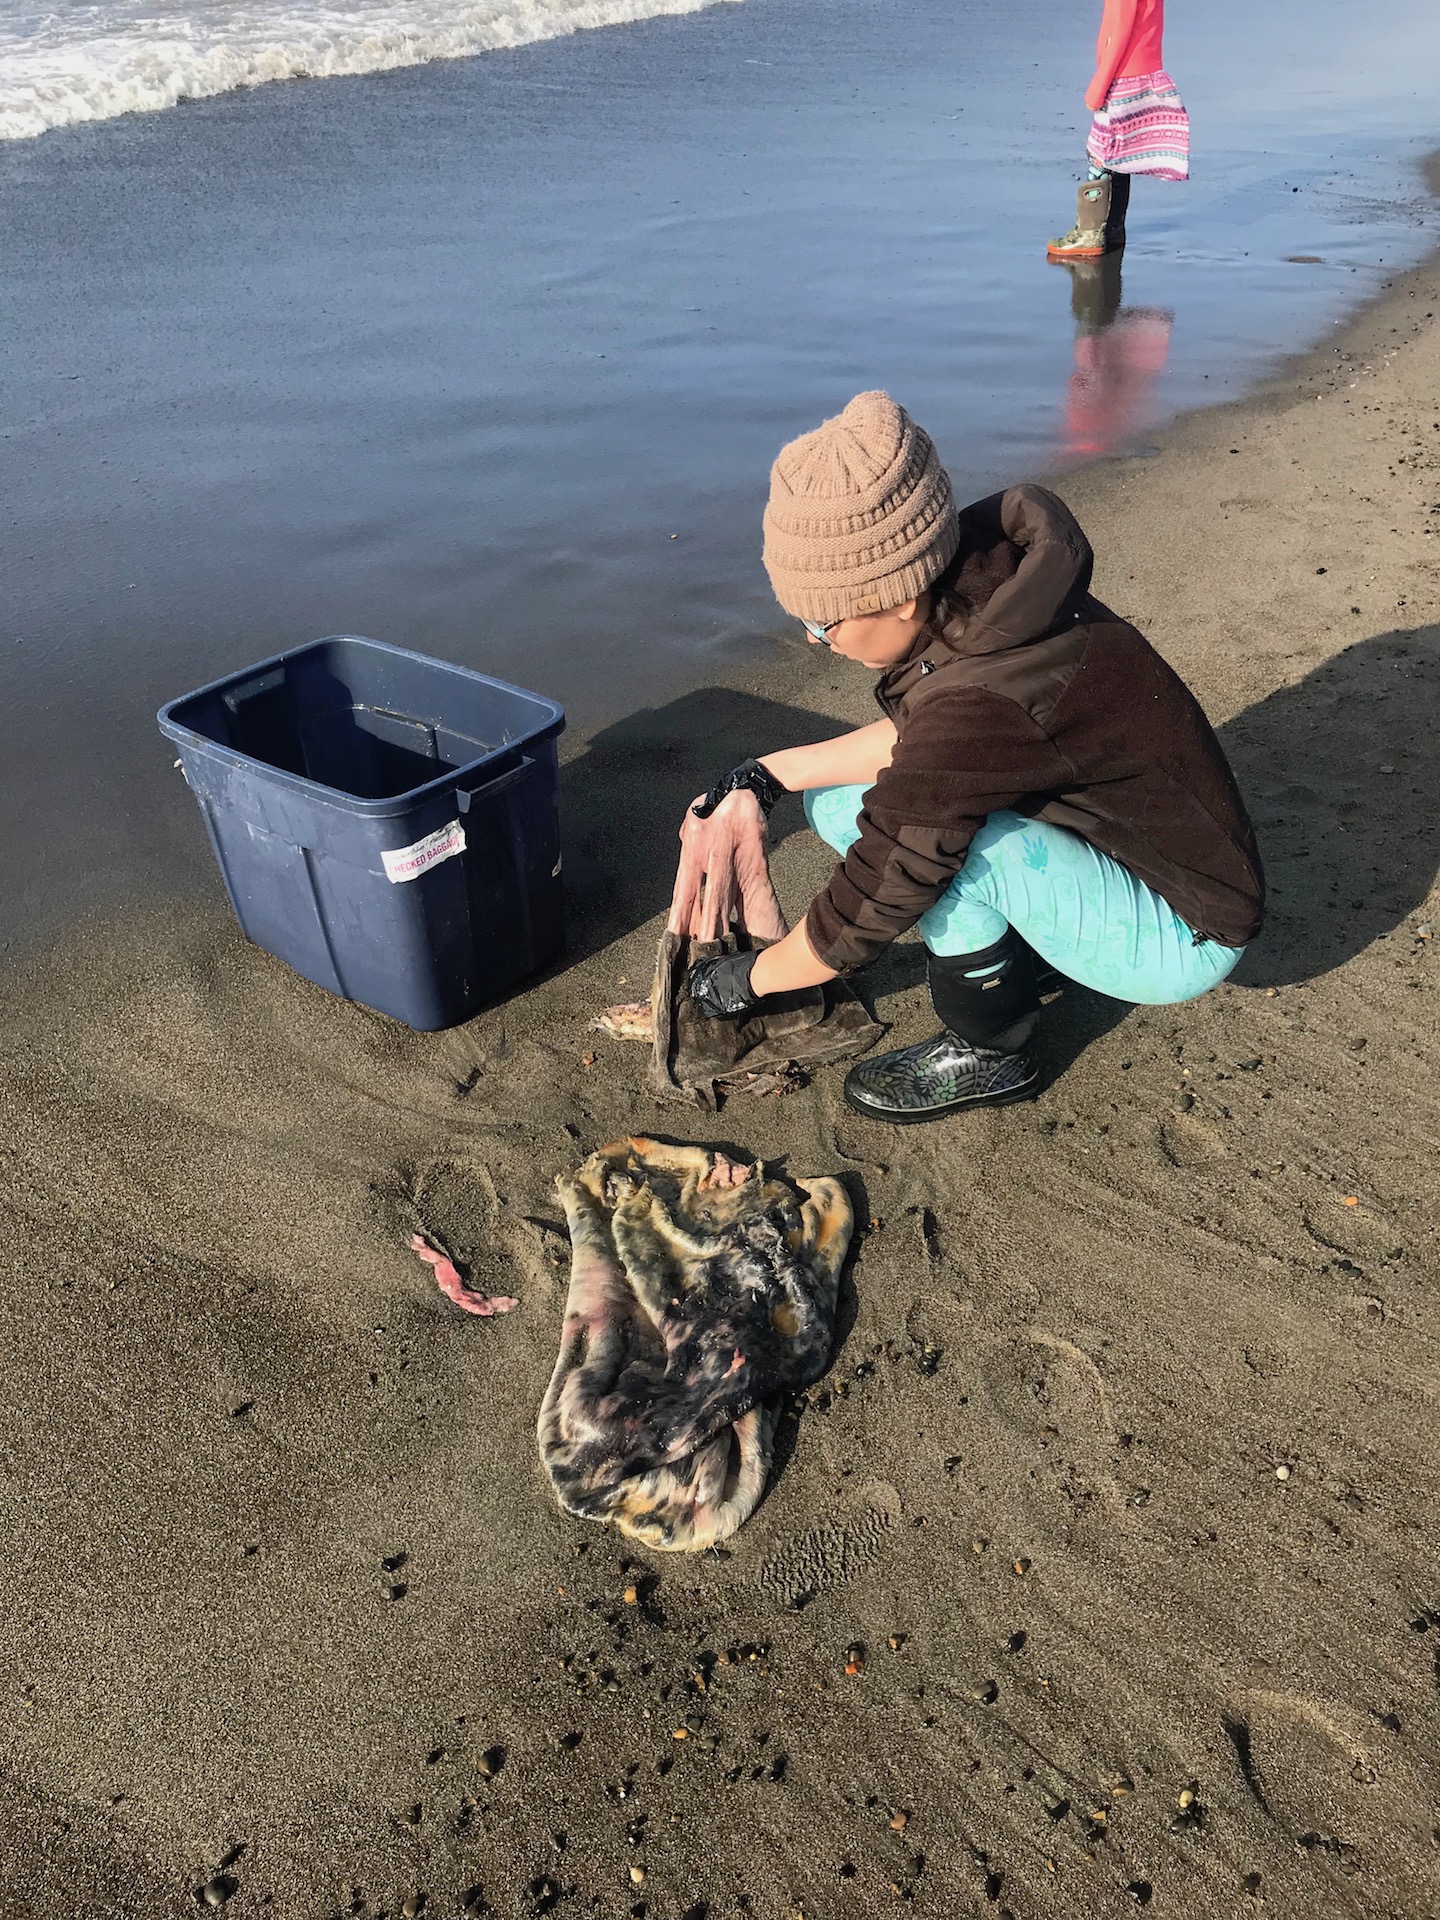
(1355, 340)
(449, 354)
(236, 1396)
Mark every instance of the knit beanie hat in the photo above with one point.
(861, 516)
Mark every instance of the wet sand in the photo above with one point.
(1123, 1476)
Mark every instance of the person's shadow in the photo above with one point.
(1339, 770)
(622, 801)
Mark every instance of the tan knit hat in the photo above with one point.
(861, 517)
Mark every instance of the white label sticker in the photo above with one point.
(407, 863)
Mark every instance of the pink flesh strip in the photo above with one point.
(724, 875)
(723, 1172)
(447, 1278)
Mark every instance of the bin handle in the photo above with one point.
(465, 795)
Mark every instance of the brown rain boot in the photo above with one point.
(1088, 238)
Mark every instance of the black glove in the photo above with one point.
(750, 775)
(722, 986)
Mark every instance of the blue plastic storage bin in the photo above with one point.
(386, 823)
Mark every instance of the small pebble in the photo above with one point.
(412, 1906)
(631, 1596)
(896, 1641)
(899, 1822)
(1022, 1566)
(637, 1876)
(1281, 1473)
(1187, 1798)
(216, 1892)
(491, 1761)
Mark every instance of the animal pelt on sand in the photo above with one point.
(696, 1059)
(700, 1293)
(724, 900)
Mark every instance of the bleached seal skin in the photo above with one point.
(700, 1293)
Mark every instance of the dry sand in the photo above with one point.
(280, 1568)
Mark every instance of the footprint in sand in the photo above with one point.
(454, 1203)
(801, 1567)
(1051, 1395)
(1190, 1139)
(1339, 1785)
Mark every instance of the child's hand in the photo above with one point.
(1095, 97)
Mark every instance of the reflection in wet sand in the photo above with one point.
(1120, 353)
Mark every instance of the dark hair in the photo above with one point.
(965, 584)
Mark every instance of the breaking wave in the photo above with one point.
(92, 62)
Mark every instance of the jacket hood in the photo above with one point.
(1023, 564)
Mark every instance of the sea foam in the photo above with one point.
(92, 62)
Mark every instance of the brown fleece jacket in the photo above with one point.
(1038, 699)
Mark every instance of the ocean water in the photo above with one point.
(490, 357)
(62, 64)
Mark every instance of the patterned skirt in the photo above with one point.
(1142, 128)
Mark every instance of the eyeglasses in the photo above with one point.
(822, 634)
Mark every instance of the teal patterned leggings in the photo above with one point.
(1079, 909)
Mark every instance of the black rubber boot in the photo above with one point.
(1048, 979)
(989, 1004)
(1115, 217)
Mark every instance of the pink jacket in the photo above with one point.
(1130, 36)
